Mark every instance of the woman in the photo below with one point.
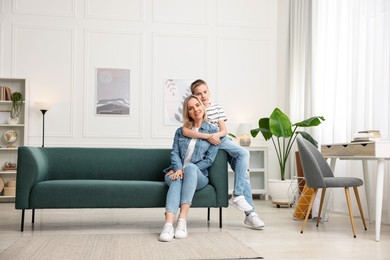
(190, 159)
(238, 156)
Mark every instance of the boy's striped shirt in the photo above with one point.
(215, 114)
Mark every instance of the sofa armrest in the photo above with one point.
(32, 167)
(218, 176)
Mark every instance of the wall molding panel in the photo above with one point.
(1, 47)
(117, 50)
(33, 49)
(244, 72)
(115, 10)
(244, 13)
(169, 62)
(177, 11)
(45, 7)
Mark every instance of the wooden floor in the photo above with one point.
(280, 239)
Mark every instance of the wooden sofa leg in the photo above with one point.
(22, 221)
(33, 216)
(220, 217)
(208, 214)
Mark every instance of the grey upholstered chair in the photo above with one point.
(318, 175)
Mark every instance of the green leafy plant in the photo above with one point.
(17, 104)
(283, 134)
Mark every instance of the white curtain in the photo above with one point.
(300, 69)
(300, 60)
(350, 79)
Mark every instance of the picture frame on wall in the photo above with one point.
(175, 92)
(112, 91)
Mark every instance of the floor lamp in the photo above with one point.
(43, 107)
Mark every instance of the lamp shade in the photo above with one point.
(243, 134)
(244, 129)
(43, 105)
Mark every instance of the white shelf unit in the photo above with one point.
(258, 170)
(11, 154)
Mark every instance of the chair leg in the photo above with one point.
(309, 208)
(355, 189)
(350, 210)
(321, 204)
(208, 214)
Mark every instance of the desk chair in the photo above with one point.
(318, 174)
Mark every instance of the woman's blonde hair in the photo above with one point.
(187, 120)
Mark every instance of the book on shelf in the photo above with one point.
(5, 93)
(8, 93)
(9, 168)
(371, 133)
(364, 139)
(367, 136)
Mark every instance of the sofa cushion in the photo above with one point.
(109, 194)
(98, 194)
(106, 163)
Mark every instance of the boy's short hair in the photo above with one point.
(197, 83)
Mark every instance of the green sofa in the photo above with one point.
(67, 177)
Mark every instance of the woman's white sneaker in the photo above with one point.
(167, 233)
(181, 228)
(254, 221)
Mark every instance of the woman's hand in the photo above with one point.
(214, 139)
(175, 175)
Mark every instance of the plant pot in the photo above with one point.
(282, 192)
(13, 121)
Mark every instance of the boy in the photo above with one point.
(238, 156)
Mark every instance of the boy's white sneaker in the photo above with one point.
(181, 229)
(167, 233)
(254, 221)
(240, 203)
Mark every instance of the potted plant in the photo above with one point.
(17, 105)
(283, 134)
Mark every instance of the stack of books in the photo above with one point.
(367, 136)
(5, 93)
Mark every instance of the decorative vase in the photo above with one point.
(282, 192)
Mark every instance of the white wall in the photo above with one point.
(58, 44)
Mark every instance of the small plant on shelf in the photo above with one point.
(17, 104)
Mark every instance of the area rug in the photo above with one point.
(210, 245)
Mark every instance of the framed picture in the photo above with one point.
(175, 92)
(112, 91)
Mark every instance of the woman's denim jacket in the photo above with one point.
(204, 152)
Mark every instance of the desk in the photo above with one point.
(378, 151)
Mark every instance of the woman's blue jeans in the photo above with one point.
(239, 162)
(182, 191)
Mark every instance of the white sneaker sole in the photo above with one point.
(253, 227)
(165, 239)
(180, 236)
